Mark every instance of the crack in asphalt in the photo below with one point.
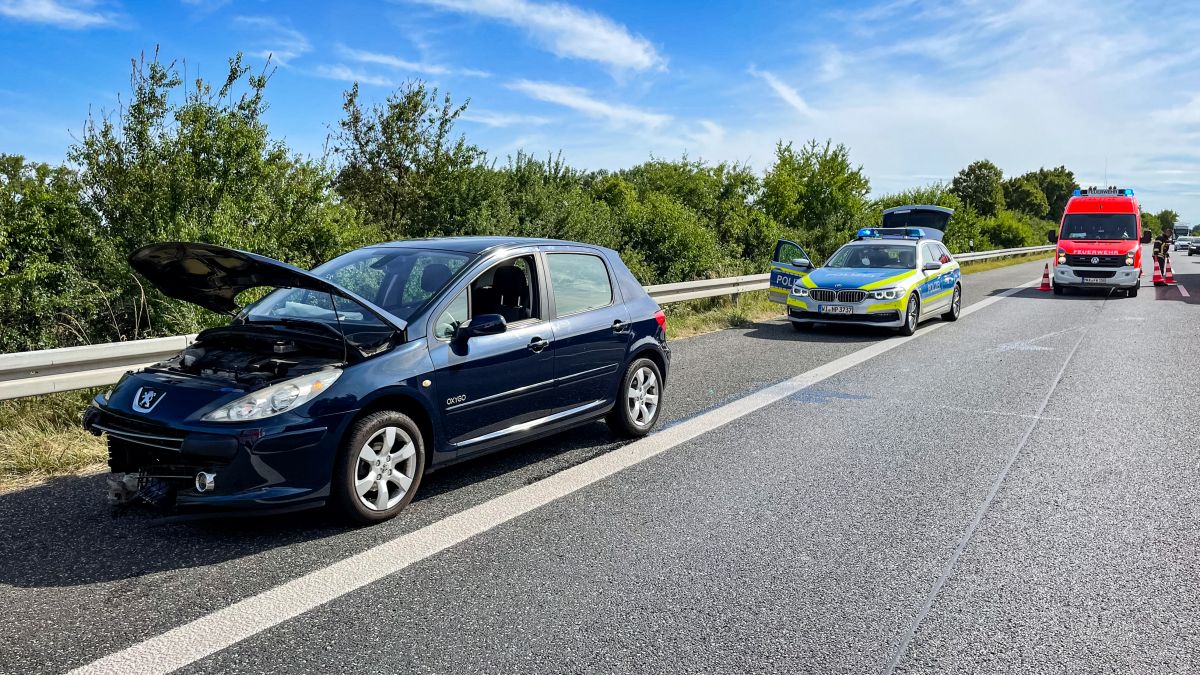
(982, 512)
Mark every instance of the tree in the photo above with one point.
(51, 254)
(1167, 219)
(815, 194)
(1024, 196)
(198, 164)
(401, 164)
(979, 186)
(1056, 184)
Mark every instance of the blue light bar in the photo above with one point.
(866, 232)
(1076, 192)
(1102, 192)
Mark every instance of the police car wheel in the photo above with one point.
(639, 400)
(955, 305)
(912, 317)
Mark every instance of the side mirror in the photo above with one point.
(802, 262)
(1052, 237)
(484, 324)
(931, 266)
(1146, 236)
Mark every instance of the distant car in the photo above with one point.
(348, 383)
(1182, 243)
(892, 277)
(1194, 246)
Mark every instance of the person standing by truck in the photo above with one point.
(1162, 249)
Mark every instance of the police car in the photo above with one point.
(892, 277)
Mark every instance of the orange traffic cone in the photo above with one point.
(1045, 279)
(1158, 278)
(1169, 276)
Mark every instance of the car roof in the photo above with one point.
(474, 245)
(1102, 204)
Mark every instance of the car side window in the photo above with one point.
(508, 288)
(455, 315)
(579, 282)
(786, 252)
(931, 253)
(944, 252)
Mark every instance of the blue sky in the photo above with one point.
(916, 89)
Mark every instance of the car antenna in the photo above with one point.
(338, 318)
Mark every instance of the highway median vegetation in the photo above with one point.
(195, 161)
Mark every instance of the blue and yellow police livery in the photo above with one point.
(893, 277)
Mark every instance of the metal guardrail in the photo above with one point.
(53, 370)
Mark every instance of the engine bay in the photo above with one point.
(252, 359)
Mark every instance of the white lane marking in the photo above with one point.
(225, 627)
(1183, 291)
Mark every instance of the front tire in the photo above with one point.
(1058, 290)
(1131, 292)
(912, 317)
(639, 400)
(378, 468)
(955, 310)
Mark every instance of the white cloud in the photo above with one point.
(75, 15)
(398, 63)
(280, 41)
(784, 91)
(348, 74)
(580, 100)
(499, 120)
(567, 31)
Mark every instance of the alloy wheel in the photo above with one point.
(386, 468)
(642, 397)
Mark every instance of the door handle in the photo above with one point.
(620, 326)
(537, 344)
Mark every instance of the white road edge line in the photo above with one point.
(225, 627)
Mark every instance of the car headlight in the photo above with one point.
(887, 294)
(799, 291)
(1129, 260)
(1062, 259)
(275, 399)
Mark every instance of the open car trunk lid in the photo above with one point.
(932, 219)
(212, 276)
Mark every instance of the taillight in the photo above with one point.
(661, 318)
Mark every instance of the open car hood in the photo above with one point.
(932, 219)
(212, 276)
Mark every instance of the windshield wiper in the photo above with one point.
(299, 323)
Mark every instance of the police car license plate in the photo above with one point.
(836, 309)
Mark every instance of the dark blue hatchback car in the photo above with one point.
(345, 385)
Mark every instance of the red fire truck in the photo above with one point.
(1099, 241)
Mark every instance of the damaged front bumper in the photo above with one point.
(265, 467)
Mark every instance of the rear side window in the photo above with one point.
(579, 282)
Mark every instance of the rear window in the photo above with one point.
(1104, 226)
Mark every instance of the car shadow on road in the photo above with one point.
(826, 332)
(63, 533)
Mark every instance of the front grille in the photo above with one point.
(1079, 260)
(140, 432)
(829, 295)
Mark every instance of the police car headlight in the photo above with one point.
(800, 291)
(275, 399)
(887, 294)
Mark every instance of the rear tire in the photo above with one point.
(639, 400)
(912, 316)
(955, 305)
(379, 467)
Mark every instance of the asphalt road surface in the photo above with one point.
(1015, 492)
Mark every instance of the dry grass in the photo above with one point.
(41, 436)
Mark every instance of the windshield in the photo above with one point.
(897, 256)
(398, 280)
(1111, 226)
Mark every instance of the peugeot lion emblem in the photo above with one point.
(145, 399)
(1095, 260)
